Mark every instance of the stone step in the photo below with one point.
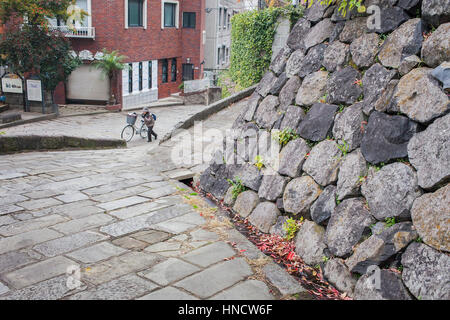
(10, 117)
(3, 108)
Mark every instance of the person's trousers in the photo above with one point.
(150, 133)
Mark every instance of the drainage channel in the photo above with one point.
(277, 248)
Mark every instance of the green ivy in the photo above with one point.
(252, 37)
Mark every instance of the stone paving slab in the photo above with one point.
(217, 278)
(27, 239)
(210, 254)
(169, 271)
(248, 290)
(124, 288)
(69, 243)
(25, 226)
(97, 252)
(38, 272)
(168, 293)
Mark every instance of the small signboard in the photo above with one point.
(12, 83)
(34, 90)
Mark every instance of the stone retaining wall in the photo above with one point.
(370, 166)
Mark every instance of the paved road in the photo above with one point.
(112, 224)
(107, 125)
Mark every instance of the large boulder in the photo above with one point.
(267, 82)
(250, 176)
(386, 137)
(382, 285)
(298, 33)
(353, 29)
(420, 97)
(313, 88)
(252, 104)
(375, 81)
(348, 223)
(300, 194)
(336, 56)
(384, 102)
(403, 42)
(391, 18)
(364, 49)
(312, 62)
(431, 217)
(292, 118)
(318, 122)
(279, 84)
(436, 48)
(264, 216)
(309, 243)
(323, 162)
(324, 206)
(267, 113)
(429, 153)
(391, 191)
(352, 170)
(292, 157)
(316, 12)
(338, 275)
(294, 63)
(380, 247)
(426, 272)
(319, 33)
(246, 202)
(278, 64)
(288, 93)
(272, 186)
(435, 12)
(342, 87)
(347, 129)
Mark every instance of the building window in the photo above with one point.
(150, 64)
(225, 18)
(130, 78)
(218, 55)
(170, 10)
(173, 70)
(189, 20)
(165, 71)
(140, 77)
(135, 13)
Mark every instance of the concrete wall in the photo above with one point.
(88, 83)
(281, 35)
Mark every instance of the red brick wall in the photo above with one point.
(153, 43)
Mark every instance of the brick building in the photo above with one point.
(162, 39)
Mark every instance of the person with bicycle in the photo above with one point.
(150, 123)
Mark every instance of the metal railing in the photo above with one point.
(77, 32)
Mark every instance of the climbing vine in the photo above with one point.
(252, 38)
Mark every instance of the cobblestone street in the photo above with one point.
(113, 224)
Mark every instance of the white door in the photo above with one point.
(88, 83)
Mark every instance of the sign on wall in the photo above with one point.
(34, 90)
(11, 83)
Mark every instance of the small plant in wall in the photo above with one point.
(344, 147)
(237, 185)
(259, 162)
(291, 227)
(390, 221)
(343, 5)
(284, 136)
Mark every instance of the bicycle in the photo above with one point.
(130, 129)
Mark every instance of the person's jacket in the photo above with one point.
(148, 119)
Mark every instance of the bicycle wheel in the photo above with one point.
(144, 131)
(127, 133)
